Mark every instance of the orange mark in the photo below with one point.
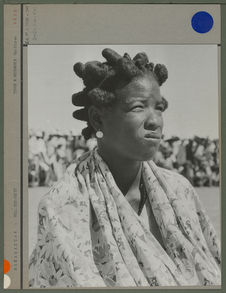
(6, 266)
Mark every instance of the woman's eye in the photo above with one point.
(137, 108)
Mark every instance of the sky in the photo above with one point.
(191, 88)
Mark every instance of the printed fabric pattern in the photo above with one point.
(90, 236)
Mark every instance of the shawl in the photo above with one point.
(90, 236)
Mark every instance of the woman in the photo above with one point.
(116, 219)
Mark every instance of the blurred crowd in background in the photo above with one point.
(51, 153)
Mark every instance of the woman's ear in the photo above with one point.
(95, 117)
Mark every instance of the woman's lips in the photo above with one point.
(153, 136)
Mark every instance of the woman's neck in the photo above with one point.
(123, 169)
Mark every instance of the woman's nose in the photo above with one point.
(153, 120)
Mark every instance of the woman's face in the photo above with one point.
(133, 126)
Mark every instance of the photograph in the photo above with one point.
(123, 166)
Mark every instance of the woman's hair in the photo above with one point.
(102, 79)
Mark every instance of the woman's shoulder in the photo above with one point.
(171, 175)
(178, 183)
(68, 189)
(63, 191)
(66, 203)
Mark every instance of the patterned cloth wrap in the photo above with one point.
(90, 236)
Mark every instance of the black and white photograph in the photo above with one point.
(123, 166)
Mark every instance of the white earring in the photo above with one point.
(99, 134)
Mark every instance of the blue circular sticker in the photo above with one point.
(202, 22)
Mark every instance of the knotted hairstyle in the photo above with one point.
(102, 79)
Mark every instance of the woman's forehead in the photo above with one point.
(144, 87)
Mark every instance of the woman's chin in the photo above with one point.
(148, 158)
(149, 155)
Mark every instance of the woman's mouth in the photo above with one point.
(153, 136)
